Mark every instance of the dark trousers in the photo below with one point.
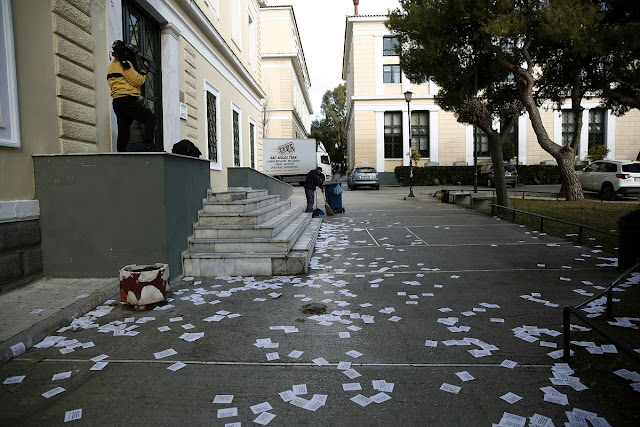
(309, 194)
(128, 109)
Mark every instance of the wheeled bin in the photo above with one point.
(333, 194)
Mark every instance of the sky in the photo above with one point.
(321, 24)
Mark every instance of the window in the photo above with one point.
(252, 42)
(391, 74)
(212, 122)
(236, 138)
(9, 123)
(252, 143)
(568, 127)
(236, 23)
(597, 119)
(512, 137)
(143, 32)
(390, 46)
(212, 99)
(483, 143)
(393, 135)
(420, 132)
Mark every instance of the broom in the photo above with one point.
(327, 207)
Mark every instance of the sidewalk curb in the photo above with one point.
(63, 317)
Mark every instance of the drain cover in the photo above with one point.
(314, 309)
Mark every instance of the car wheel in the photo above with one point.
(489, 183)
(607, 191)
(353, 187)
(377, 187)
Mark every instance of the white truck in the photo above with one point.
(290, 160)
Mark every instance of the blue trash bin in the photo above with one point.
(333, 194)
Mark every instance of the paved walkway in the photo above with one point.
(416, 296)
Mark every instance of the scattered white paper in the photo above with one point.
(465, 376)
(227, 412)
(261, 407)
(76, 414)
(176, 366)
(510, 398)
(361, 400)
(450, 388)
(53, 392)
(61, 376)
(99, 366)
(14, 380)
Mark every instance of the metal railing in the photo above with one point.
(569, 310)
(581, 227)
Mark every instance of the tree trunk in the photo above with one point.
(495, 147)
(570, 184)
(564, 156)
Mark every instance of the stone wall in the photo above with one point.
(20, 251)
(75, 82)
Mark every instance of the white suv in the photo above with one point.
(611, 177)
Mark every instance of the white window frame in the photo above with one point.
(252, 41)
(214, 7)
(208, 87)
(236, 108)
(254, 143)
(236, 23)
(9, 113)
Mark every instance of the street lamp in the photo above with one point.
(407, 96)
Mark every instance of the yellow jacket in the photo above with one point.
(124, 82)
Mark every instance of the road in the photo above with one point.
(388, 276)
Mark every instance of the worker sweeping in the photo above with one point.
(311, 182)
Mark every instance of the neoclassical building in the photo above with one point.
(377, 113)
(206, 83)
(287, 106)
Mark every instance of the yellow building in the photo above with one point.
(205, 84)
(378, 118)
(287, 106)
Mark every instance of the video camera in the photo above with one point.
(127, 52)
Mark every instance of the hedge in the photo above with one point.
(463, 175)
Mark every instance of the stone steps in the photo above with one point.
(282, 242)
(230, 194)
(241, 231)
(254, 217)
(269, 228)
(238, 206)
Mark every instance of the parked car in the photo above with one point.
(611, 177)
(363, 176)
(487, 175)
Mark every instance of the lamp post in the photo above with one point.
(407, 96)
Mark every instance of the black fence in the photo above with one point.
(570, 310)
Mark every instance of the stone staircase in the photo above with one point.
(245, 232)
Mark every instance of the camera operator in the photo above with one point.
(126, 73)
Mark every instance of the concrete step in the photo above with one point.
(237, 193)
(299, 256)
(282, 242)
(255, 217)
(296, 261)
(238, 206)
(267, 229)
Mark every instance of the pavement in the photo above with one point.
(390, 278)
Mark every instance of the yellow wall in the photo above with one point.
(628, 135)
(61, 104)
(365, 138)
(452, 139)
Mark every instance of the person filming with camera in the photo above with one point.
(126, 74)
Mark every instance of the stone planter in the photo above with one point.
(141, 285)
